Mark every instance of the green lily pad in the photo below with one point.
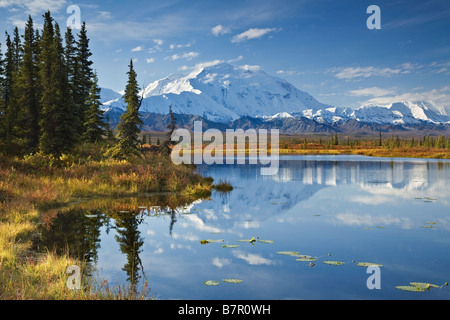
(211, 283)
(248, 240)
(368, 264)
(411, 288)
(423, 285)
(232, 280)
(306, 258)
(334, 263)
(289, 253)
(210, 241)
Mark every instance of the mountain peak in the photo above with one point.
(222, 92)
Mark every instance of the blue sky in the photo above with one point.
(323, 47)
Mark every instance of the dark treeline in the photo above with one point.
(387, 142)
(49, 95)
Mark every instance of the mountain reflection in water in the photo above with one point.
(315, 204)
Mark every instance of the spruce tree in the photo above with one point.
(28, 87)
(72, 66)
(2, 102)
(10, 97)
(83, 74)
(94, 126)
(129, 125)
(171, 126)
(57, 131)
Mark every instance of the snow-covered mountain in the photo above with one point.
(399, 113)
(225, 93)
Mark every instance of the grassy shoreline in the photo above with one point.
(37, 183)
(31, 185)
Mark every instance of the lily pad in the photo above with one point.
(289, 253)
(211, 283)
(411, 288)
(334, 263)
(232, 280)
(368, 264)
(210, 241)
(423, 285)
(248, 240)
(306, 258)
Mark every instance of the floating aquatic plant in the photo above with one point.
(211, 283)
(419, 286)
(232, 280)
(306, 258)
(210, 241)
(334, 263)
(252, 240)
(289, 253)
(368, 264)
(410, 288)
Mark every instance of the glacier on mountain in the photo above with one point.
(223, 93)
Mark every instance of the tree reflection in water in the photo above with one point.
(75, 230)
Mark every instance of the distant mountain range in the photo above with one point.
(226, 96)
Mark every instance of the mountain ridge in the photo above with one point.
(224, 94)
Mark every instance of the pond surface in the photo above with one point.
(393, 212)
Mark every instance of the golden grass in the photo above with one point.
(30, 185)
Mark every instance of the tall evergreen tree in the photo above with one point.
(57, 131)
(2, 102)
(10, 97)
(129, 125)
(17, 54)
(74, 99)
(94, 127)
(83, 74)
(28, 87)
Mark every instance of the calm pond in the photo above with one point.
(392, 212)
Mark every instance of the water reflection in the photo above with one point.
(315, 204)
(76, 230)
(365, 180)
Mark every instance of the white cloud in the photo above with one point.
(220, 262)
(34, 7)
(289, 73)
(373, 91)
(251, 258)
(364, 72)
(179, 46)
(236, 59)
(188, 56)
(220, 30)
(252, 33)
(137, 49)
(250, 68)
(150, 60)
(158, 42)
(106, 15)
